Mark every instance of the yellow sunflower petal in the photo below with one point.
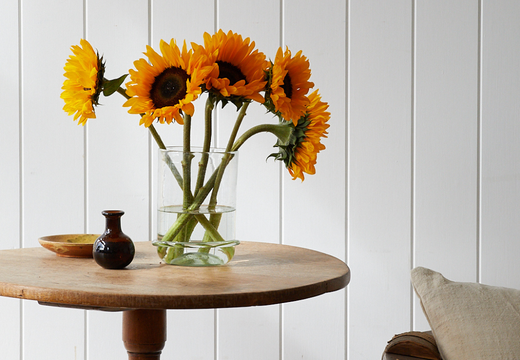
(167, 85)
(240, 68)
(290, 84)
(82, 87)
(314, 126)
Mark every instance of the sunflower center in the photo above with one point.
(231, 72)
(169, 87)
(287, 86)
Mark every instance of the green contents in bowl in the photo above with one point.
(83, 239)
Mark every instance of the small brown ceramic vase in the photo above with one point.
(113, 249)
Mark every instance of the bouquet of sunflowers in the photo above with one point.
(228, 69)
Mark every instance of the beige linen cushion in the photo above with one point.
(470, 320)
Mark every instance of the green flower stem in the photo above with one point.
(229, 251)
(192, 203)
(159, 142)
(166, 157)
(183, 218)
(186, 162)
(238, 122)
(210, 229)
(122, 92)
(203, 164)
(227, 156)
(215, 218)
(177, 226)
(176, 251)
(188, 197)
(282, 131)
(173, 253)
(189, 228)
(185, 233)
(156, 137)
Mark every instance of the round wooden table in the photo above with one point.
(259, 274)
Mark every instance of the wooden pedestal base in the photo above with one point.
(144, 333)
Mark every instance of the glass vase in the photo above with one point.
(196, 206)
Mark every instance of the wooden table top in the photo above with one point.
(259, 274)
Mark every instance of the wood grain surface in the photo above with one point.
(259, 274)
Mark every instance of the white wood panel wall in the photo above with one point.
(379, 175)
(422, 165)
(446, 140)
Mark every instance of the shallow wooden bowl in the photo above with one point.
(70, 245)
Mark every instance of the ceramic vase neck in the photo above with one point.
(113, 221)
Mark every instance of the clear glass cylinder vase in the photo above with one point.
(196, 206)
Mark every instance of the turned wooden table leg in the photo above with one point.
(144, 333)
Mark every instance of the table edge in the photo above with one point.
(46, 296)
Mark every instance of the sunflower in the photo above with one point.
(300, 153)
(166, 86)
(84, 71)
(240, 69)
(289, 85)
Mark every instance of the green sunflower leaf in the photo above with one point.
(111, 86)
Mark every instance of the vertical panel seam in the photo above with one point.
(85, 329)
(281, 307)
(150, 22)
(216, 16)
(282, 23)
(20, 160)
(215, 330)
(216, 26)
(20, 123)
(413, 153)
(149, 138)
(281, 192)
(85, 191)
(216, 114)
(85, 137)
(347, 168)
(479, 143)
